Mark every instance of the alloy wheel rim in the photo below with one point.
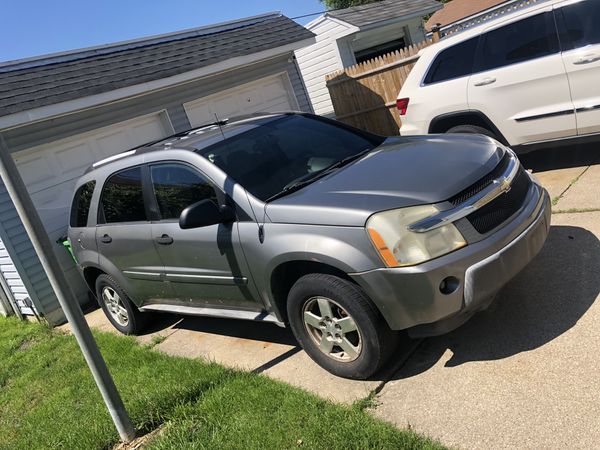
(115, 306)
(332, 329)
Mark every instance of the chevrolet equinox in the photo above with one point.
(298, 220)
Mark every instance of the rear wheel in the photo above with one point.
(338, 326)
(118, 308)
(472, 129)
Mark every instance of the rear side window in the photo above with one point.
(81, 204)
(530, 38)
(578, 24)
(122, 197)
(454, 62)
(176, 187)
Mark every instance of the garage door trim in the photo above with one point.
(284, 76)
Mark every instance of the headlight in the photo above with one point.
(400, 247)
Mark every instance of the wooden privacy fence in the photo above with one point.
(365, 95)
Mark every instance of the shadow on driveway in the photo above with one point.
(576, 155)
(245, 329)
(540, 304)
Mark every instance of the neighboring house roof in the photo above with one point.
(383, 11)
(47, 80)
(459, 9)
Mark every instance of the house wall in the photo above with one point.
(336, 43)
(170, 99)
(317, 60)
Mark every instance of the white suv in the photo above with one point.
(530, 77)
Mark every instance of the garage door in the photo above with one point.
(268, 94)
(51, 170)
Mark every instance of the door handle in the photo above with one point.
(485, 81)
(106, 239)
(587, 59)
(165, 239)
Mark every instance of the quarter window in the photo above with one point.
(122, 197)
(81, 204)
(176, 187)
(530, 38)
(454, 62)
(578, 24)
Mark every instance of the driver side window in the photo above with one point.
(177, 186)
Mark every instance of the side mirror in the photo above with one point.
(203, 214)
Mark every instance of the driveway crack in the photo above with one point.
(556, 199)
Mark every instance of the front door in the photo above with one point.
(520, 82)
(124, 239)
(205, 266)
(580, 41)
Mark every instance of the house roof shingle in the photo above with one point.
(43, 81)
(384, 10)
(459, 9)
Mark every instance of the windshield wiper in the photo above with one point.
(312, 177)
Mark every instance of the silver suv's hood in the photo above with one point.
(402, 172)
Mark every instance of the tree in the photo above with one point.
(341, 4)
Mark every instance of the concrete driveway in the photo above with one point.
(523, 374)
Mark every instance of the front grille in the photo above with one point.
(480, 185)
(502, 207)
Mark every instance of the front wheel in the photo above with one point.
(338, 326)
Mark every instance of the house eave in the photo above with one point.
(60, 109)
(383, 23)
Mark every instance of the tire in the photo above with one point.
(362, 351)
(134, 322)
(472, 129)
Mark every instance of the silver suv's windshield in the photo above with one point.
(284, 154)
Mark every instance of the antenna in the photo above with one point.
(261, 235)
(218, 122)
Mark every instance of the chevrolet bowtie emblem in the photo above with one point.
(504, 184)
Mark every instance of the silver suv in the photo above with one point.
(295, 219)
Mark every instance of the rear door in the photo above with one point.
(579, 29)
(520, 81)
(205, 266)
(124, 238)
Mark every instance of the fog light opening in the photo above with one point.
(449, 285)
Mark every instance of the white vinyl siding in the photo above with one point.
(13, 280)
(321, 58)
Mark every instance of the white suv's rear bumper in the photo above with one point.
(413, 128)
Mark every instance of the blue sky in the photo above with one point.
(36, 27)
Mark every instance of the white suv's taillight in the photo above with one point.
(402, 105)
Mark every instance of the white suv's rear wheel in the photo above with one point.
(472, 129)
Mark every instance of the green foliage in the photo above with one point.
(341, 4)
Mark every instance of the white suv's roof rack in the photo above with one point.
(487, 16)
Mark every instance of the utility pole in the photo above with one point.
(43, 247)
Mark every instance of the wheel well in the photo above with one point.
(443, 123)
(285, 275)
(91, 274)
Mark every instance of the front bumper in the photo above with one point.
(415, 298)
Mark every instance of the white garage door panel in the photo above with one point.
(268, 94)
(51, 170)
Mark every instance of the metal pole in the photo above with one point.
(41, 243)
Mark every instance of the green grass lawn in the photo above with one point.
(48, 400)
